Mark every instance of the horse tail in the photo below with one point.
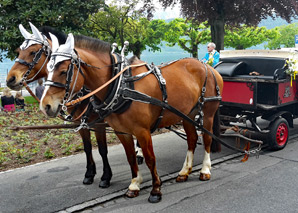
(215, 145)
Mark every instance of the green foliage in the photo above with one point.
(49, 153)
(3, 155)
(67, 15)
(21, 137)
(245, 36)
(125, 23)
(188, 34)
(285, 37)
(233, 13)
(19, 147)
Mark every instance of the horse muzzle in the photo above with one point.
(50, 110)
(13, 84)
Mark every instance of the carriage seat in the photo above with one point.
(230, 68)
(241, 67)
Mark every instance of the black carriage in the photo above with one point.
(258, 93)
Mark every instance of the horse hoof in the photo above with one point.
(104, 184)
(154, 198)
(205, 177)
(181, 178)
(132, 193)
(88, 180)
(140, 160)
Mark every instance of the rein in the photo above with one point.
(30, 91)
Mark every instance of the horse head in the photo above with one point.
(65, 77)
(30, 64)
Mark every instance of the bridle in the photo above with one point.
(69, 93)
(46, 49)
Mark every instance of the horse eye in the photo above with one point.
(63, 73)
(33, 53)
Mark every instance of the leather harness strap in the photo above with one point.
(73, 102)
(30, 91)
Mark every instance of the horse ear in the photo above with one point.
(24, 32)
(55, 42)
(36, 32)
(69, 44)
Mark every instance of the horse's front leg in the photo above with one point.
(145, 142)
(128, 144)
(91, 168)
(100, 133)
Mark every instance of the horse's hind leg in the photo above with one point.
(205, 173)
(91, 168)
(139, 152)
(100, 133)
(192, 138)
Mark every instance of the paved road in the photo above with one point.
(57, 185)
(267, 184)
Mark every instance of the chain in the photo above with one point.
(254, 151)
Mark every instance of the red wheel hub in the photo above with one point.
(282, 133)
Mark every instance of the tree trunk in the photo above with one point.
(217, 33)
(195, 51)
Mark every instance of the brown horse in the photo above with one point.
(184, 82)
(15, 79)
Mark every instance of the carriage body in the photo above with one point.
(256, 86)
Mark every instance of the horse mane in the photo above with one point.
(61, 36)
(81, 41)
(92, 44)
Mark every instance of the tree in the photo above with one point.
(245, 37)
(219, 13)
(285, 38)
(118, 23)
(188, 34)
(67, 15)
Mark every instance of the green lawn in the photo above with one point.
(30, 100)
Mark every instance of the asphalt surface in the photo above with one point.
(57, 185)
(267, 184)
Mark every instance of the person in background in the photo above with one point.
(7, 101)
(20, 101)
(39, 89)
(212, 56)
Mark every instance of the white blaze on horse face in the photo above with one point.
(187, 166)
(50, 76)
(136, 182)
(206, 169)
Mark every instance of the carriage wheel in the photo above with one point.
(279, 134)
